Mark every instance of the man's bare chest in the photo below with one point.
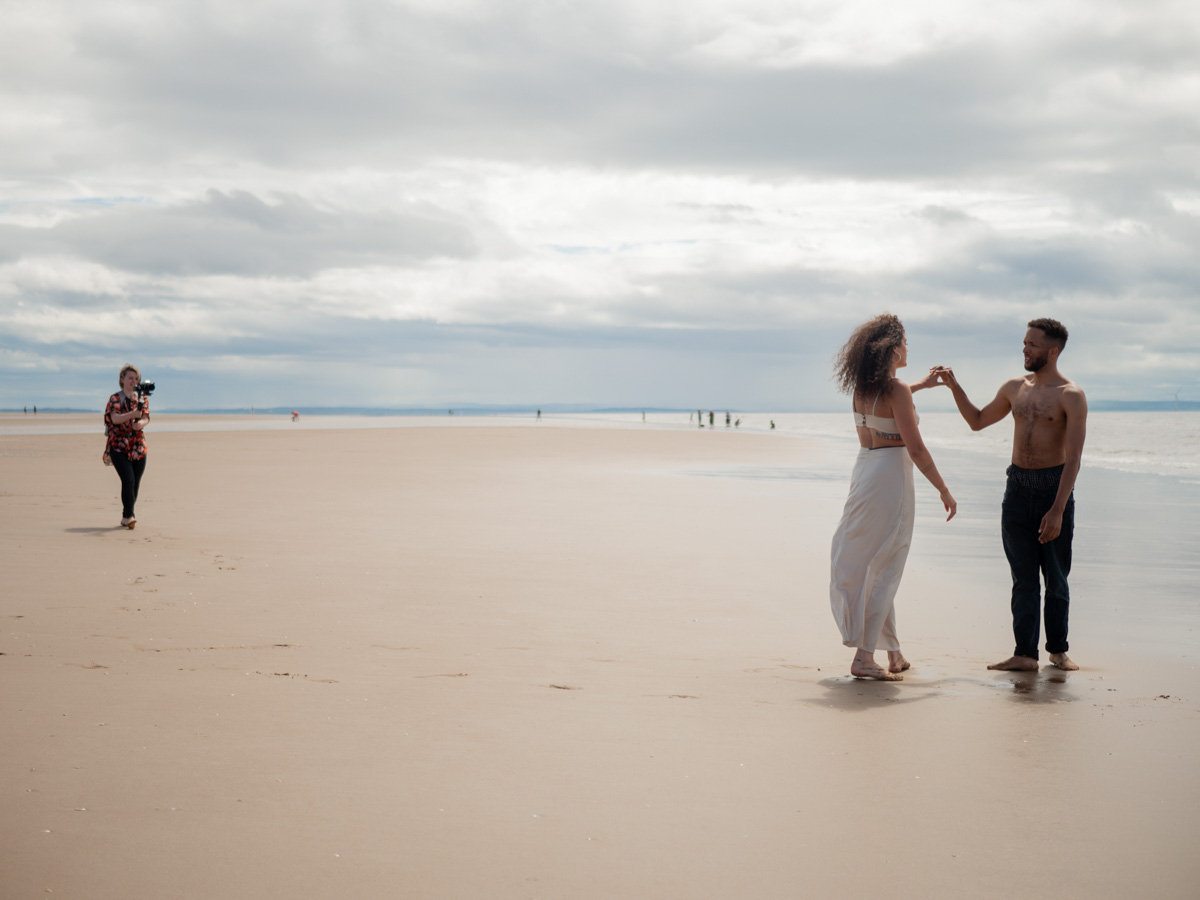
(1039, 408)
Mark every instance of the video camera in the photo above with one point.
(145, 388)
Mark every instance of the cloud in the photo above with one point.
(239, 233)
(650, 189)
(315, 84)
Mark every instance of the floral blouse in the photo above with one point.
(123, 437)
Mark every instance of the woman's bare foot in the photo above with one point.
(897, 662)
(1016, 664)
(864, 666)
(1063, 662)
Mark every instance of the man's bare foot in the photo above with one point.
(897, 662)
(1016, 664)
(1063, 662)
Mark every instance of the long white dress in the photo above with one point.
(870, 548)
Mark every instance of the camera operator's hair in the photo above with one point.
(128, 367)
(862, 366)
(1054, 330)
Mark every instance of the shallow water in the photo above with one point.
(1137, 559)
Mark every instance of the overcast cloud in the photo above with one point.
(660, 204)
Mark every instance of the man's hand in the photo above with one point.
(1050, 528)
(933, 379)
(945, 375)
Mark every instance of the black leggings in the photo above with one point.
(130, 471)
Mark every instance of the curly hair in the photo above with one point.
(863, 365)
(128, 367)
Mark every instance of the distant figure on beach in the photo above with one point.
(539, 415)
(870, 546)
(295, 415)
(25, 410)
(726, 418)
(1037, 517)
(126, 414)
(35, 409)
(772, 424)
(738, 423)
(710, 418)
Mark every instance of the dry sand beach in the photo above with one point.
(502, 662)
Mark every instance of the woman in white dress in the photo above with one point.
(871, 544)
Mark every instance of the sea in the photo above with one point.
(1137, 533)
(1136, 569)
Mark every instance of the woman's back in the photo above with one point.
(874, 422)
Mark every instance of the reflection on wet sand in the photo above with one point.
(856, 694)
(1048, 686)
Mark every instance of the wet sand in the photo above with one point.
(541, 663)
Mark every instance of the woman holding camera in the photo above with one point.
(126, 415)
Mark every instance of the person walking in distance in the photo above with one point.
(125, 416)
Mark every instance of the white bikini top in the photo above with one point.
(876, 423)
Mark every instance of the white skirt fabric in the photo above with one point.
(870, 548)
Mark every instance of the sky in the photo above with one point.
(408, 203)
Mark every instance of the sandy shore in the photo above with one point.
(537, 663)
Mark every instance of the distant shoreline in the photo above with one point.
(559, 409)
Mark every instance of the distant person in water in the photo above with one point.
(1037, 518)
(125, 416)
(870, 546)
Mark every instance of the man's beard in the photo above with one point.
(1037, 363)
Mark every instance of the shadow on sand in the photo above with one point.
(95, 530)
(851, 694)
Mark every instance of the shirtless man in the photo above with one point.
(1038, 515)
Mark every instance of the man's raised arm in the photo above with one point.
(977, 418)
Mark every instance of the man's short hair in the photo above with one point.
(1054, 330)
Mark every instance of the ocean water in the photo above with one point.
(1149, 443)
(1136, 576)
(1152, 443)
(1137, 555)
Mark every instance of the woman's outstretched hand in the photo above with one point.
(933, 379)
(950, 503)
(945, 375)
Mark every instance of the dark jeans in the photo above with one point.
(130, 471)
(1028, 496)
